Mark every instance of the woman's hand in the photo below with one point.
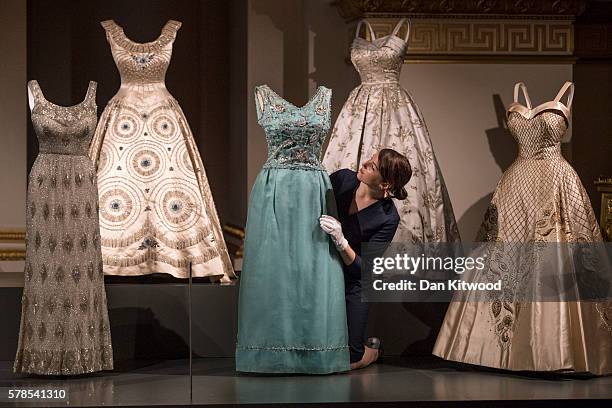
(333, 227)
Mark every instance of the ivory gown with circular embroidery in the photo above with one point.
(379, 114)
(64, 317)
(156, 209)
(539, 199)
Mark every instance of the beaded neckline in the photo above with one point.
(306, 105)
(167, 35)
(40, 96)
(384, 41)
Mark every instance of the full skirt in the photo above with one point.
(536, 201)
(157, 213)
(385, 116)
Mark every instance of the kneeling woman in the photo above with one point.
(366, 213)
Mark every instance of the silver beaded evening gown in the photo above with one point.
(64, 317)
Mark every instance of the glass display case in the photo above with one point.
(223, 127)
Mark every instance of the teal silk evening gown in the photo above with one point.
(291, 314)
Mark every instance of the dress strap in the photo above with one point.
(323, 104)
(114, 32)
(367, 23)
(91, 92)
(108, 25)
(521, 86)
(570, 96)
(262, 100)
(34, 93)
(399, 25)
(172, 26)
(111, 28)
(325, 98)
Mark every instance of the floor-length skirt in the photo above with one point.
(64, 319)
(292, 316)
(157, 212)
(539, 213)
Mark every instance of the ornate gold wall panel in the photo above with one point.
(12, 235)
(477, 37)
(235, 240)
(12, 254)
(488, 30)
(12, 245)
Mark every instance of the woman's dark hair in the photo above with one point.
(395, 169)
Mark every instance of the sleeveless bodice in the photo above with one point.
(141, 63)
(540, 136)
(60, 129)
(294, 134)
(379, 60)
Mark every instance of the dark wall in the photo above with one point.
(592, 109)
(237, 175)
(67, 48)
(592, 125)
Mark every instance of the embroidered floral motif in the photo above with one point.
(148, 243)
(288, 147)
(143, 59)
(381, 114)
(144, 150)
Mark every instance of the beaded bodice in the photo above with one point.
(539, 131)
(379, 60)
(540, 136)
(294, 134)
(141, 63)
(63, 129)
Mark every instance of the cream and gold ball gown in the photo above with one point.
(379, 114)
(157, 212)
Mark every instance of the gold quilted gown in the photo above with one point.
(156, 209)
(539, 199)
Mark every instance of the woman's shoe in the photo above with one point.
(376, 344)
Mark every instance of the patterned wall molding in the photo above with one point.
(12, 244)
(12, 254)
(496, 31)
(353, 9)
(12, 235)
(476, 38)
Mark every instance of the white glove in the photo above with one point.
(333, 227)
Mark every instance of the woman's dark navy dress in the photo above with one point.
(376, 223)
